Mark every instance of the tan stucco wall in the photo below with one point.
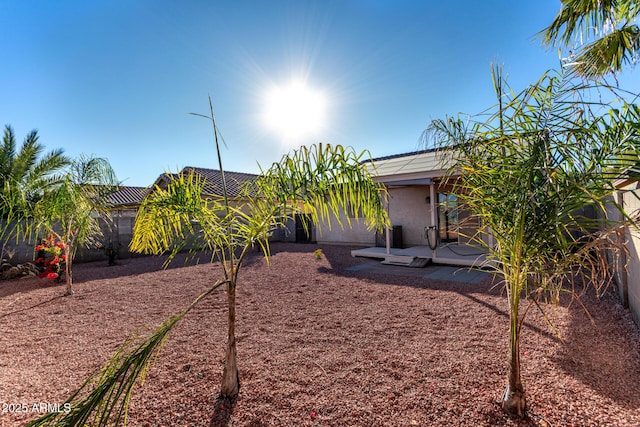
(632, 206)
(357, 234)
(408, 208)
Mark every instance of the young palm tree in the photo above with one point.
(528, 170)
(322, 181)
(608, 27)
(71, 211)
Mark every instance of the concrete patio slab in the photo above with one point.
(435, 272)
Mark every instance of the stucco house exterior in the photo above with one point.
(421, 205)
(427, 221)
(410, 179)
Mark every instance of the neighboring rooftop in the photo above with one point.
(213, 180)
(128, 196)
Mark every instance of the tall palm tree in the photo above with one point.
(527, 170)
(319, 181)
(25, 174)
(71, 210)
(604, 33)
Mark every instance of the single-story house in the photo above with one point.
(421, 207)
(427, 221)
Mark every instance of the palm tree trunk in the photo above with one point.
(230, 378)
(513, 401)
(67, 273)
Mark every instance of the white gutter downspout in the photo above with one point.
(387, 231)
(434, 215)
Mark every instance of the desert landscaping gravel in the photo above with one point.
(318, 345)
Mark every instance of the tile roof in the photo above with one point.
(213, 180)
(127, 196)
(132, 196)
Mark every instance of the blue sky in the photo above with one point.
(117, 78)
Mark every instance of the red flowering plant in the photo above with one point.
(51, 258)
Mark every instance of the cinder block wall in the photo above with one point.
(119, 233)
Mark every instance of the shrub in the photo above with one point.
(51, 258)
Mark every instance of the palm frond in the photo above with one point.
(27, 157)
(8, 152)
(103, 399)
(169, 216)
(323, 181)
(46, 171)
(604, 34)
(609, 53)
(579, 18)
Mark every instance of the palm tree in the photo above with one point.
(71, 210)
(322, 181)
(606, 33)
(25, 175)
(528, 170)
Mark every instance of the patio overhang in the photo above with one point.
(423, 181)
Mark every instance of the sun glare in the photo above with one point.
(295, 111)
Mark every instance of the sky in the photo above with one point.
(119, 78)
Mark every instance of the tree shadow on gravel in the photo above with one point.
(96, 270)
(100, 270)
(603, 356)
(223, 411)
(495, 416)
(9, 313)
(11, 287)
(414, 277)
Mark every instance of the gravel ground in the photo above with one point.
(317, 345)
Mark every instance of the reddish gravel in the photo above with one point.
(317, 345)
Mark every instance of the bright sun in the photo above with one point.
(295, 111)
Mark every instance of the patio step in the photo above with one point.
(406, 260)
(419, 262)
